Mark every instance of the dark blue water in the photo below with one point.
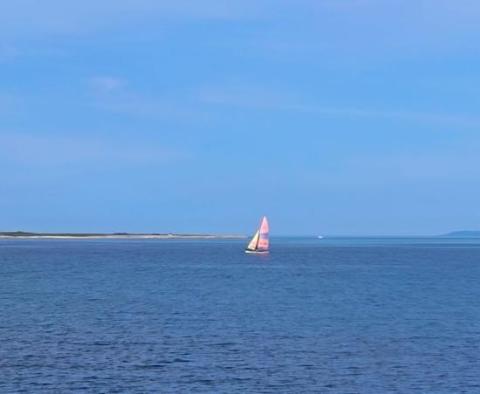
(340, 316)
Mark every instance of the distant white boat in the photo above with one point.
(260, 242)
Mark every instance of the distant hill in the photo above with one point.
(463, 234)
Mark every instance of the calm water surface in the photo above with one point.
(339, 316)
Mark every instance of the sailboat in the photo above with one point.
(260, 243)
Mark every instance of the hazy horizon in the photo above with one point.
(351, 117)
(231, 233)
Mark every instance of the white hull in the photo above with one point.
(256, 252)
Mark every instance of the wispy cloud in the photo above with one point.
(33, 149)
(107, 84)
(116, 95)
(8, 52)
(245, 96)
(8, 103)
(448, 165)
(400, 115)
(354, 31)
(358, 33)
(255, 98)
(26, 18)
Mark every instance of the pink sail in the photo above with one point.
(263, 242)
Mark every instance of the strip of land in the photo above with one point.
(463, 234)
(25, 234)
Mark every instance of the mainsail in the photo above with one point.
(260, 242)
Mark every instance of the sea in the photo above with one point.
(331, 315)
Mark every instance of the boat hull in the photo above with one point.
(256, 251)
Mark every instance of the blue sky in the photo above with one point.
(331, 117)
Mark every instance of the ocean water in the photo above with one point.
(166, 316)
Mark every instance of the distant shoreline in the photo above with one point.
(463, 234)
(31, 235)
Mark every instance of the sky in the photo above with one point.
(352, 117)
